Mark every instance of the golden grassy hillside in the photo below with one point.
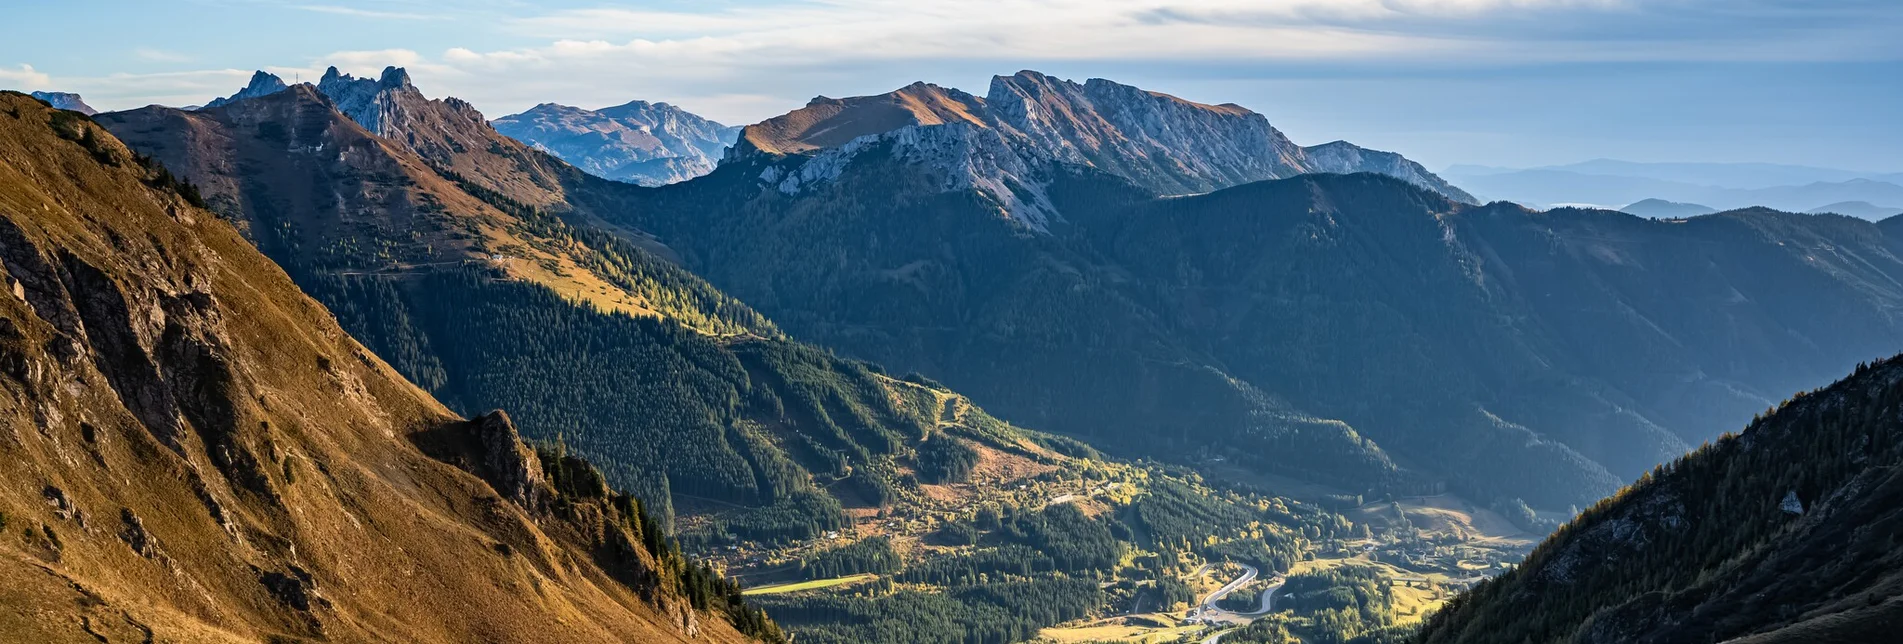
(196, 452)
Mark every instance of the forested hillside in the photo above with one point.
(197, 452)
(1786, 532)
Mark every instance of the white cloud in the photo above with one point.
(161, 55)
(745, 60)
(25, 78)
(369, 13)
(782, 52)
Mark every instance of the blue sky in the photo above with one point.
(1492, 82)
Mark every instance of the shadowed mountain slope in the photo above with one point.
(1327, 295)
(1786, 532)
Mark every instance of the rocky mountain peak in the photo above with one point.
(371, 103)
(395, 78)
(262, 84)
(829, 122)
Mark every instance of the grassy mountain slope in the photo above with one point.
(1786, 532)
(326, 198)
(197, 452)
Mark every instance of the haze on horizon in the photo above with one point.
(1490, 82)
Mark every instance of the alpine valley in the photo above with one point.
(1064, 362)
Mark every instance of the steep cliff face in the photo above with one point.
(1163, 143)
(196, 452)
(644, 143)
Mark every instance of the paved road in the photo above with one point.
(1210, 613)
(1208, 605)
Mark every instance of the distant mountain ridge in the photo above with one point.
(1721, 186)
(1161, 143)
(66, 101)
(1660, 208)
(638, 142)
(1860, 210)
(1724, 175)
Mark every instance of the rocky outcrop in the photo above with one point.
(262, 84)
(374, 104)
(639, 142)
(489, 447)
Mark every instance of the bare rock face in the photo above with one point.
(509, 466)
(1161, 142)
(371, 103)
(643, 143)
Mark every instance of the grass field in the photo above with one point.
(809, 585)
(1154, 628)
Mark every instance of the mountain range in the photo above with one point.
(1723, 186)
(1196, 308)
(480, 266)
(644, 143)
(1572, 349)
(1028, 120)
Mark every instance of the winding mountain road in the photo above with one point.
(1209, 613)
